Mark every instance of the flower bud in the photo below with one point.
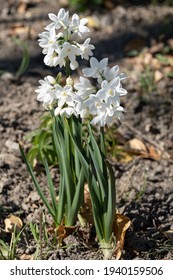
(51, 80)
(69, 81)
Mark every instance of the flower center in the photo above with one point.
(111, 92)
(98, 105)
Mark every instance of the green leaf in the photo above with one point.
(25, 59)
(38, 188)
(77, 200)
(109, 217)
(65, 165)
(100, 178)
(51, 188)
(62, 200)
(96, 149)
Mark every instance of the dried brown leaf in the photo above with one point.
(85, 215)
(158, 76)
(136, 145)
(63, 231)
(157, 48)
(170, 43)
(147, 58)
(169, 235)
(13, 223)
(121, 224)
(26, 257)
(22, 7)
(153, 153)
(93, 22)
(155, 63)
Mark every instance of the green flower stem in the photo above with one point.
(102, 140)
(67, 67)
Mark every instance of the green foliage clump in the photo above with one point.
(42, 142)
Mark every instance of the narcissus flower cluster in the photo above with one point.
(101, 100)
(58, 40)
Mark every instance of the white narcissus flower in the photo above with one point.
(53, 60)
(81, 109)
(43, 40)
(67, 111)
(46, 93)
(57, 111)
(64, 95)
(96, 69)
(70, 51)
(107, 117)
(51, 45)
(78, 25)
(86, 49)
(97, 109)
(111, 73)
(59, 20)
(49, 41)
(111, 90)
(84, 88)
(95, 105)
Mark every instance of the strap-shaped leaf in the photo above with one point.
(96, 149)
(51, 187)
(101, 180)
(62, 200)
(109, 217)
(65, 163)
(77, 200)
(38, 188)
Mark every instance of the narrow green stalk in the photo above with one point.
(52, 191)
(67, 67)
(38, 188)
(102, 140)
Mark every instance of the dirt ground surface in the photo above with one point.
(144, 179)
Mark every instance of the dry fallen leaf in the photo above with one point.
(169, 235)
(138, 148)
(93, 22)
(155, 63)
(136, 145)
(170, 42)
(157, 48)
(26, 257)
(147, 58)
(22, 7)
(63, 231)
(85, 215)
(158, 76)
(19, 29)
(13, 223)
(121, 224)
(87, 198)
(153, 153)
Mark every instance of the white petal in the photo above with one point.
(52, 17)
